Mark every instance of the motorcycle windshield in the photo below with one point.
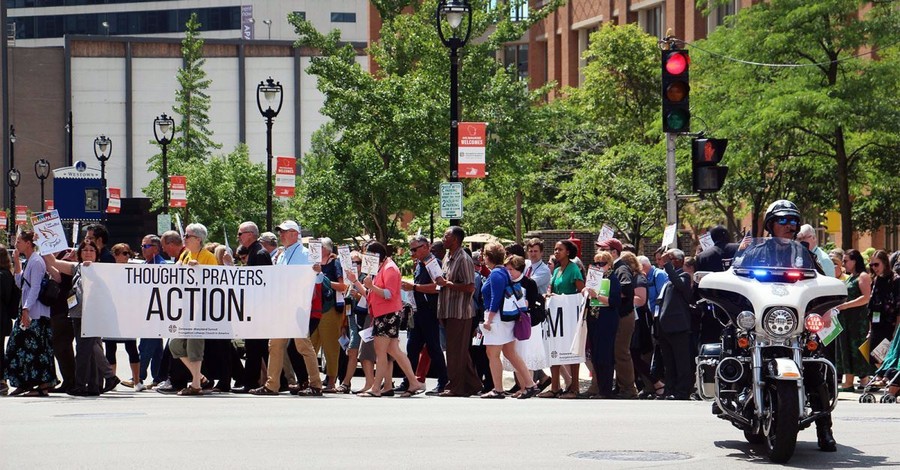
(756, 253)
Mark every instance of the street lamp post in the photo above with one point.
(102, 150)
(272, 92)
(42, 171)
(453, 11)
(268, 23)
(164, 131)
(13, 176)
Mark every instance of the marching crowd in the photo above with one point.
(464, 324)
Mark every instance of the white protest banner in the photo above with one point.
(561, 328)
(51, 236)
(315, 252)
(706, 241)
(669, 236)
(285, 177)
(221, 302)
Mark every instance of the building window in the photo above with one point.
(653, 21)
(341, 17)
(300, 14)
(718, 14)
(128, 22)
(516, 55)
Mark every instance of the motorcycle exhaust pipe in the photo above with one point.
(730, 370)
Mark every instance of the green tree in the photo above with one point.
(621, 181)
(222, 190)
(792, 127)
(390, 127)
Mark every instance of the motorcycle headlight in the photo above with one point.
(746, 320)
(779, 321)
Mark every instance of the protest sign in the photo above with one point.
(345, 257)
(51, 236)
(669, 236)
(606, 232)
(315, 252)
(706, 241)
(370, 264)
(174, 301)
(561, 328)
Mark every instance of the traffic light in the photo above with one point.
(705, 157)
(676, 91)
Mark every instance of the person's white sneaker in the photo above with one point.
(139, 387)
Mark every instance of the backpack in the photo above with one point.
(328, 295)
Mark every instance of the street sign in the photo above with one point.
(451, 200)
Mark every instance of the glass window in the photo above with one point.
(343, 17)
(301, 14)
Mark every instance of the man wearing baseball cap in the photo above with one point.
(624, 366)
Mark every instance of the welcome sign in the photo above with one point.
(175, 301)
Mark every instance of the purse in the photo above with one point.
(522, 328)
(50, 291)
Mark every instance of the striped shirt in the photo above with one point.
(452, 304)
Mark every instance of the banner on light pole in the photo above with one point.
(177, 191)
(471, 153)
(285, 177)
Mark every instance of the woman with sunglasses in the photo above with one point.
(884, 301)
(122, 253)
(602, 323)
(855, 319)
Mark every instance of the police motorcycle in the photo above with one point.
(767, 376)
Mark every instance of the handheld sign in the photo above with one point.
(51, 236)
(605, 234)
(370, 264)
(344, 256)
(669, 236)
(706, 241)
(315, 252)
(598, 284)
(434, 269)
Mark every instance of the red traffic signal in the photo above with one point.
(708, 176)
(676, 90)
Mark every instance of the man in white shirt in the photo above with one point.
(537, 270)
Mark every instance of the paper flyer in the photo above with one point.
(598, 284)
(669, 236)
(434, 268)
(828, 334)
(315, 252)
(51, 236)
(706, 241)
(606, 232)
(345, 258)
(370, 264)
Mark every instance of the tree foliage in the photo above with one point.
(389, 140)
(806, 132)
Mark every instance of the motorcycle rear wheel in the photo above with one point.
(781, 427)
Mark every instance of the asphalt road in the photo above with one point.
(125, 430)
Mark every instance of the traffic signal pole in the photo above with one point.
(671, 194)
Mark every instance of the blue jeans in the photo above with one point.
(151, 352)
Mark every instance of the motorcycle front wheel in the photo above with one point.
(782, 424)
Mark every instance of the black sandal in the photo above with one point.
(494, 394)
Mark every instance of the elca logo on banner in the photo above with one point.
(173, 328)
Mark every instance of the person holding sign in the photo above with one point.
(603, 322)
(190, 350)
(29, 353)
(502, 303)
(426, 332)
(384, 305)
(567, 279)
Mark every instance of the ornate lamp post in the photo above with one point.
(102, 150)
(42, 171)
(272, 92)
(164, 131)
(454, 11)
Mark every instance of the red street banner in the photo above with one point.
(48, 204)
(285, 176)
(2, 220)
(178, 191)
(114, 200)
(471, 149)
(21, 215)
